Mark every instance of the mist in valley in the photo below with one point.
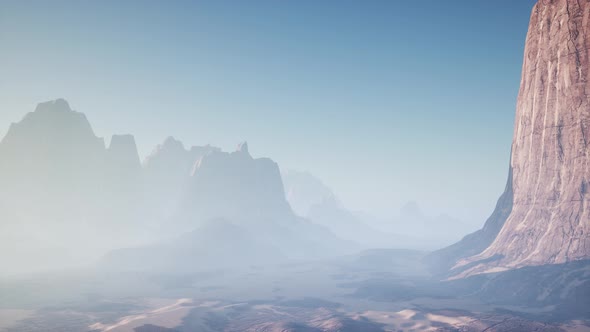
(294, 166)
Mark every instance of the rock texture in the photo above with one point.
(550, 218)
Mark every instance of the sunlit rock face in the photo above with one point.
(550, 218)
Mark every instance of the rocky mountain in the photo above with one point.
(235, 186)
(167, 171)
(543, 217)
(171, 158)
(233, 201)
(59, 180)
(54, 158)
(53, 148)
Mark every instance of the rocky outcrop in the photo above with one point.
(550, 218)
(233, 213)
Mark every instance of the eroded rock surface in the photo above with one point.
(550, 217)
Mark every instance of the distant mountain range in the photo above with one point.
(411, 228)
(313, 200)
(232, 213)
(62, 188)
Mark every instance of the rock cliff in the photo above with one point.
(549, 222)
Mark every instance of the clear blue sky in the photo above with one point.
(386, 101)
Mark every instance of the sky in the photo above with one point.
(385, 101)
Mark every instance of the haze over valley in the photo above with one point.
(102, 234)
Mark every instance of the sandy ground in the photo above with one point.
(169, 316)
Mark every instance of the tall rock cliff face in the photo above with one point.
(550, 218)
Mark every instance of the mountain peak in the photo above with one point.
(243, 147)
(57, 105)
(171, 142)
(55, 124)
(232, 185)
(124, 151)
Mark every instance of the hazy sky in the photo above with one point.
(386, 101)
